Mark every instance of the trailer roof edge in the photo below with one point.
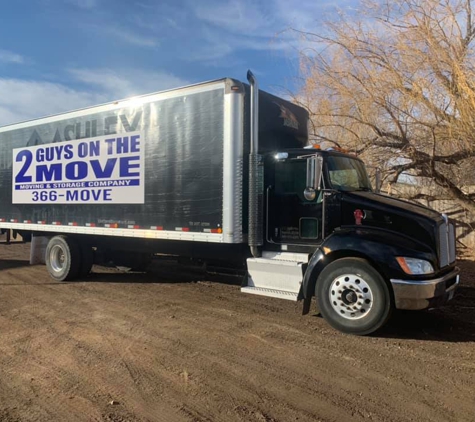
(227, 81)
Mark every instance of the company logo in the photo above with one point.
(290, 119)
(100, 170)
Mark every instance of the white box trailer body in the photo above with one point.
(170, 165)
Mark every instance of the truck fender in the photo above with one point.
(378, 247)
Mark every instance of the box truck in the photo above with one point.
(223, 171)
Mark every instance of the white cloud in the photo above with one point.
(8, 116)
(215, 46)
(128, 36)
(304, 16)
(9, 57)
(127, 83)
(249, 25)
(249, 18)
(212, 46)
(244, 17)
(22, 100)
(230, 27)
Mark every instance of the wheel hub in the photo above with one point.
(351, 296)
(57, 258)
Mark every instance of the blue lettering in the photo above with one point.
(91, 149)
(110, 145)
(68, 151)
(82, 150)
(122, 145)
(77, 170)
(49, 154)
(58, 150)
(53, 153)
(72, 195)
(40, 155)
(103, 173)
(20, 177)
(125, 166)
(86, 195)
(135, 143)
(48, 173)
(94, 148)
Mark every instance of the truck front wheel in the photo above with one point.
(353, 297)
(63, 258)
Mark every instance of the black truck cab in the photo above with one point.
(361, 253)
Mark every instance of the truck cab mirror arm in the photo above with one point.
(314, 177)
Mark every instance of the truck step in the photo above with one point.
(261, 291)
(275, 275)
(285, 256)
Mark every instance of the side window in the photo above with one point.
(347, 174)
(345, 177)
(291, 178)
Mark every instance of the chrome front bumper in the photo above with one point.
(423, 294)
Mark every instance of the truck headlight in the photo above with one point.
(415, 266)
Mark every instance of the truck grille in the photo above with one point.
(446, 243)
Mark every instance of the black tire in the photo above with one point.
(353, 297)
(87, 259)
(63, 258)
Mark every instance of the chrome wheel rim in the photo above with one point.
(57, 258)
(351, 296)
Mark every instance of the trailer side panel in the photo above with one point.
(183, 137)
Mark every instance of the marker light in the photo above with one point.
(281, 155)
(359, 215)
(415, 266)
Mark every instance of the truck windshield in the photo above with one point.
(347, 174)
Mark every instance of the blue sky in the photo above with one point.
(59, 55)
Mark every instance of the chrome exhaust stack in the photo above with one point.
(254, 112)
(256, 175)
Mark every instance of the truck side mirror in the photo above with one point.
(314, 177)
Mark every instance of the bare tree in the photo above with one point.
(395, 82)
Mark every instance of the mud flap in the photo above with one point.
(38, 249)
(307, 303)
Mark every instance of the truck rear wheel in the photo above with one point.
(353, 297)
(63, 258)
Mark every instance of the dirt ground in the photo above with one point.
(155, 347)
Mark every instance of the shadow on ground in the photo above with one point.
(8, 264)
(455, 322)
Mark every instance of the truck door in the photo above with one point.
(292, 219)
